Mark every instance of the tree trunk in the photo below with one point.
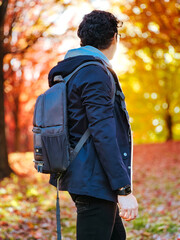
(4, 165)
(168, 120)
(17, 129)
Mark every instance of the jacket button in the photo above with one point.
(125, 154)
(129, 167)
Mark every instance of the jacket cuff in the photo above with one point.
(119, 183)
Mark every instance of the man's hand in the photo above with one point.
(128, 207)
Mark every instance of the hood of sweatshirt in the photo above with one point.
(74, 58)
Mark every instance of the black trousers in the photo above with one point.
(98, 219)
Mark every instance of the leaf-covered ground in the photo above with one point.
(27, 205)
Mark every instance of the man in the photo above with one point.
(100, 176)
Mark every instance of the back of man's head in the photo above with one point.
(97, 29)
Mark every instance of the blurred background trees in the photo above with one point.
(25, 35)
(152, 37)
(35, 35)
(4, 166)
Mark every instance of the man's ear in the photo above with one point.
(114, 41)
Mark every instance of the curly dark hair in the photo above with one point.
(97, 29)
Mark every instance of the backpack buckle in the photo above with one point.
(40, 167)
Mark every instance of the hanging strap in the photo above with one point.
(58, 222)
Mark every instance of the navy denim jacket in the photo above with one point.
(104, 163)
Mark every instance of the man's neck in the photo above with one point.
(107, 53)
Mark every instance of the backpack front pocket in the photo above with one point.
(55, 152)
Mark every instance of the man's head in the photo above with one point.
(98, 29)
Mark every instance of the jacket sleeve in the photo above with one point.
(97, 97)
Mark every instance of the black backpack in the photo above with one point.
(52, 151)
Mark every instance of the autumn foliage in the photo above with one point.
(28, 201)
(150, 35)
(34, 36)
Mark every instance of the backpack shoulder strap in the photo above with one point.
(87, 133)
(81, 142)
